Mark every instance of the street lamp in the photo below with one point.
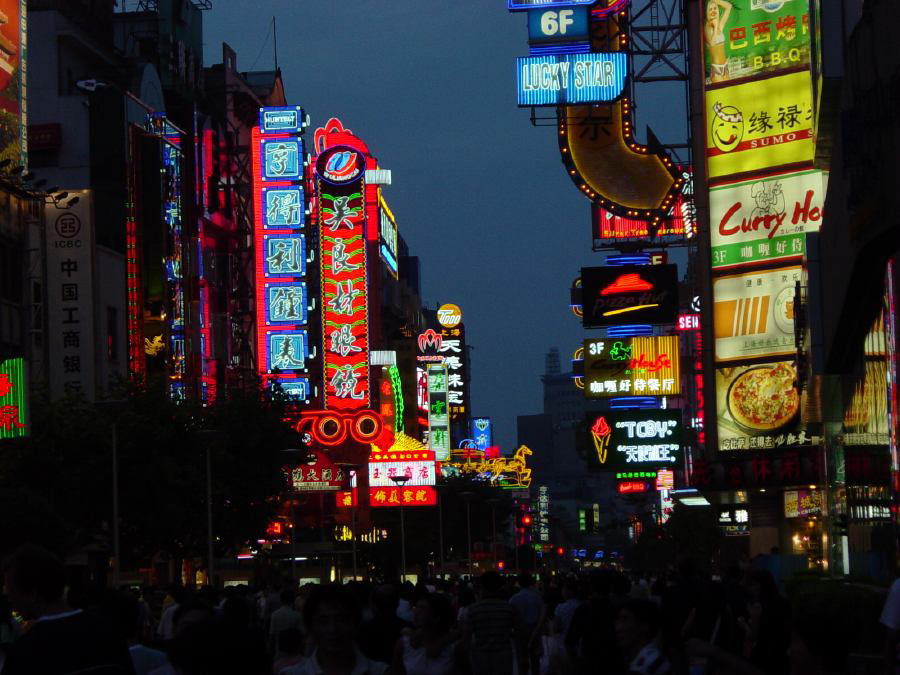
(467, 498)
(210, 437)
(351, 469)
(400, 481)
(114, 408)
(293, 521)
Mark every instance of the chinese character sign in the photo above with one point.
(70, 292)
(759, 124)
(764, 219)
(634, 439)
(280, 251)
(753, 314)
(438, 414)
(446, 344)
(632, 366)
(751, 37)
(319, 474)
(482, 433)
(758, 407)
(13, 399)
(340, 171)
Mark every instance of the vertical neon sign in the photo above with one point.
(340, 187)
(280, 250)
(13, 399)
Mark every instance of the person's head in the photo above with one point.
(570, 589)
(491, 584)
(35, 581)
(189, 613)
(761, 586)
(712, 10)
(331, 614)
(637, 623)
(290, 642)
(433, 613)
(287, 598)
(385, 600)
(525, 580)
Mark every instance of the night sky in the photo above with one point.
(480, 195)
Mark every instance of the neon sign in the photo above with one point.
(632, 366)
(520, 5)
(282, 302)
(438, 413)
(634, 439)
(570, 78)
(333, 428)
(340, 189)
(645, 294)
(482, 433)
(13, 399)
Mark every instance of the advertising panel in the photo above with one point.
(319, 475)
(570, 78)
(280, 252)
(444, 342)
(866, 406)
(629, 440)
(800, 503)
(558, 26)
(482, 433)
(70, 294)
(635, 366)
(340, 171)
(520, 5)
(629, 294)
(387, 244)
(13, 399)
(760, 124)
(764, 219)
(418, 466)
(753, 314)
(757, 407)
(742, 38)
(438, 414)
(13, 118)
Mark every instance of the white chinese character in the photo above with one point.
(653, 384)
(453, 362)
(454, 397)
(624, 385)
(610, 386)
(668, 384)
(640, 384)
(450, 346)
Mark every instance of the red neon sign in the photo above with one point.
(390, 496)
(688, 322)
(627, 283)
(632, 487)
(333, 428)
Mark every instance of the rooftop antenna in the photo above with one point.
(275, 42)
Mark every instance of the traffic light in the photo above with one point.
(560, 551)
(525, 520)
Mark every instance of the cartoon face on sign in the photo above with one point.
(727, 127)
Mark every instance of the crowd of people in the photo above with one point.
(602, 621)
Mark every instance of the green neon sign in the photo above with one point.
(13, 399)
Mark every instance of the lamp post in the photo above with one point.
(351, 469)
(467, 498)
(400, 481)
(293, 521)
(114, 407)
(493, 501)
(209, 438)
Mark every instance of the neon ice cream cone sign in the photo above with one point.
(601, 433)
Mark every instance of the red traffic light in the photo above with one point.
(560, 550)
(526, 520)
(500, 565)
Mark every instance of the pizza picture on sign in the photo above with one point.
(764, 398)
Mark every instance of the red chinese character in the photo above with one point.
(738, 37)
(790, 467)
(786, 27)
(9, 418)
(6, 384)
(762, 469)
(762, 32)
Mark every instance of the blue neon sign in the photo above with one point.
(285, 255)
(282, 158)
(297, 390)
(284, 207)
(286, 303)
(558, 25)
(281, 119)
(287, 350)
(570, 78)
(521, 5)
(482, 432)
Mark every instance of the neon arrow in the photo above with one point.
(629, 309)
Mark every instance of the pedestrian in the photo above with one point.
(332, 616)
(637, 632)
(590, 643)
(284, 618)
(290, 650)
(530, 606)
(60, 640)
(431, 646)
(381, 631)
(490, 628)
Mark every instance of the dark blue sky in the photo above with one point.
(480, 195)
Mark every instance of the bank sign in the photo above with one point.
(570, 78)
(765, 219)
(634, 439)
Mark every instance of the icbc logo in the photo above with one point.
(333, 428)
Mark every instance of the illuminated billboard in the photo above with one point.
(280, 252)
(13, 399)
(753, 314)
(340, 171)
(520, 5)
(570, 78)
(757, 407)
(764, 219)
(680, 223)
(387, 239)
(418, 467)
(628, 440)
(742, 38)
(759, 124)
(635, 294)
(558, 26)
(482, 433)
(446, 344)
(319, 474)
(438, 413)
(635, 366)
(13, 117)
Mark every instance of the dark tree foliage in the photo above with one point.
(56, 487)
